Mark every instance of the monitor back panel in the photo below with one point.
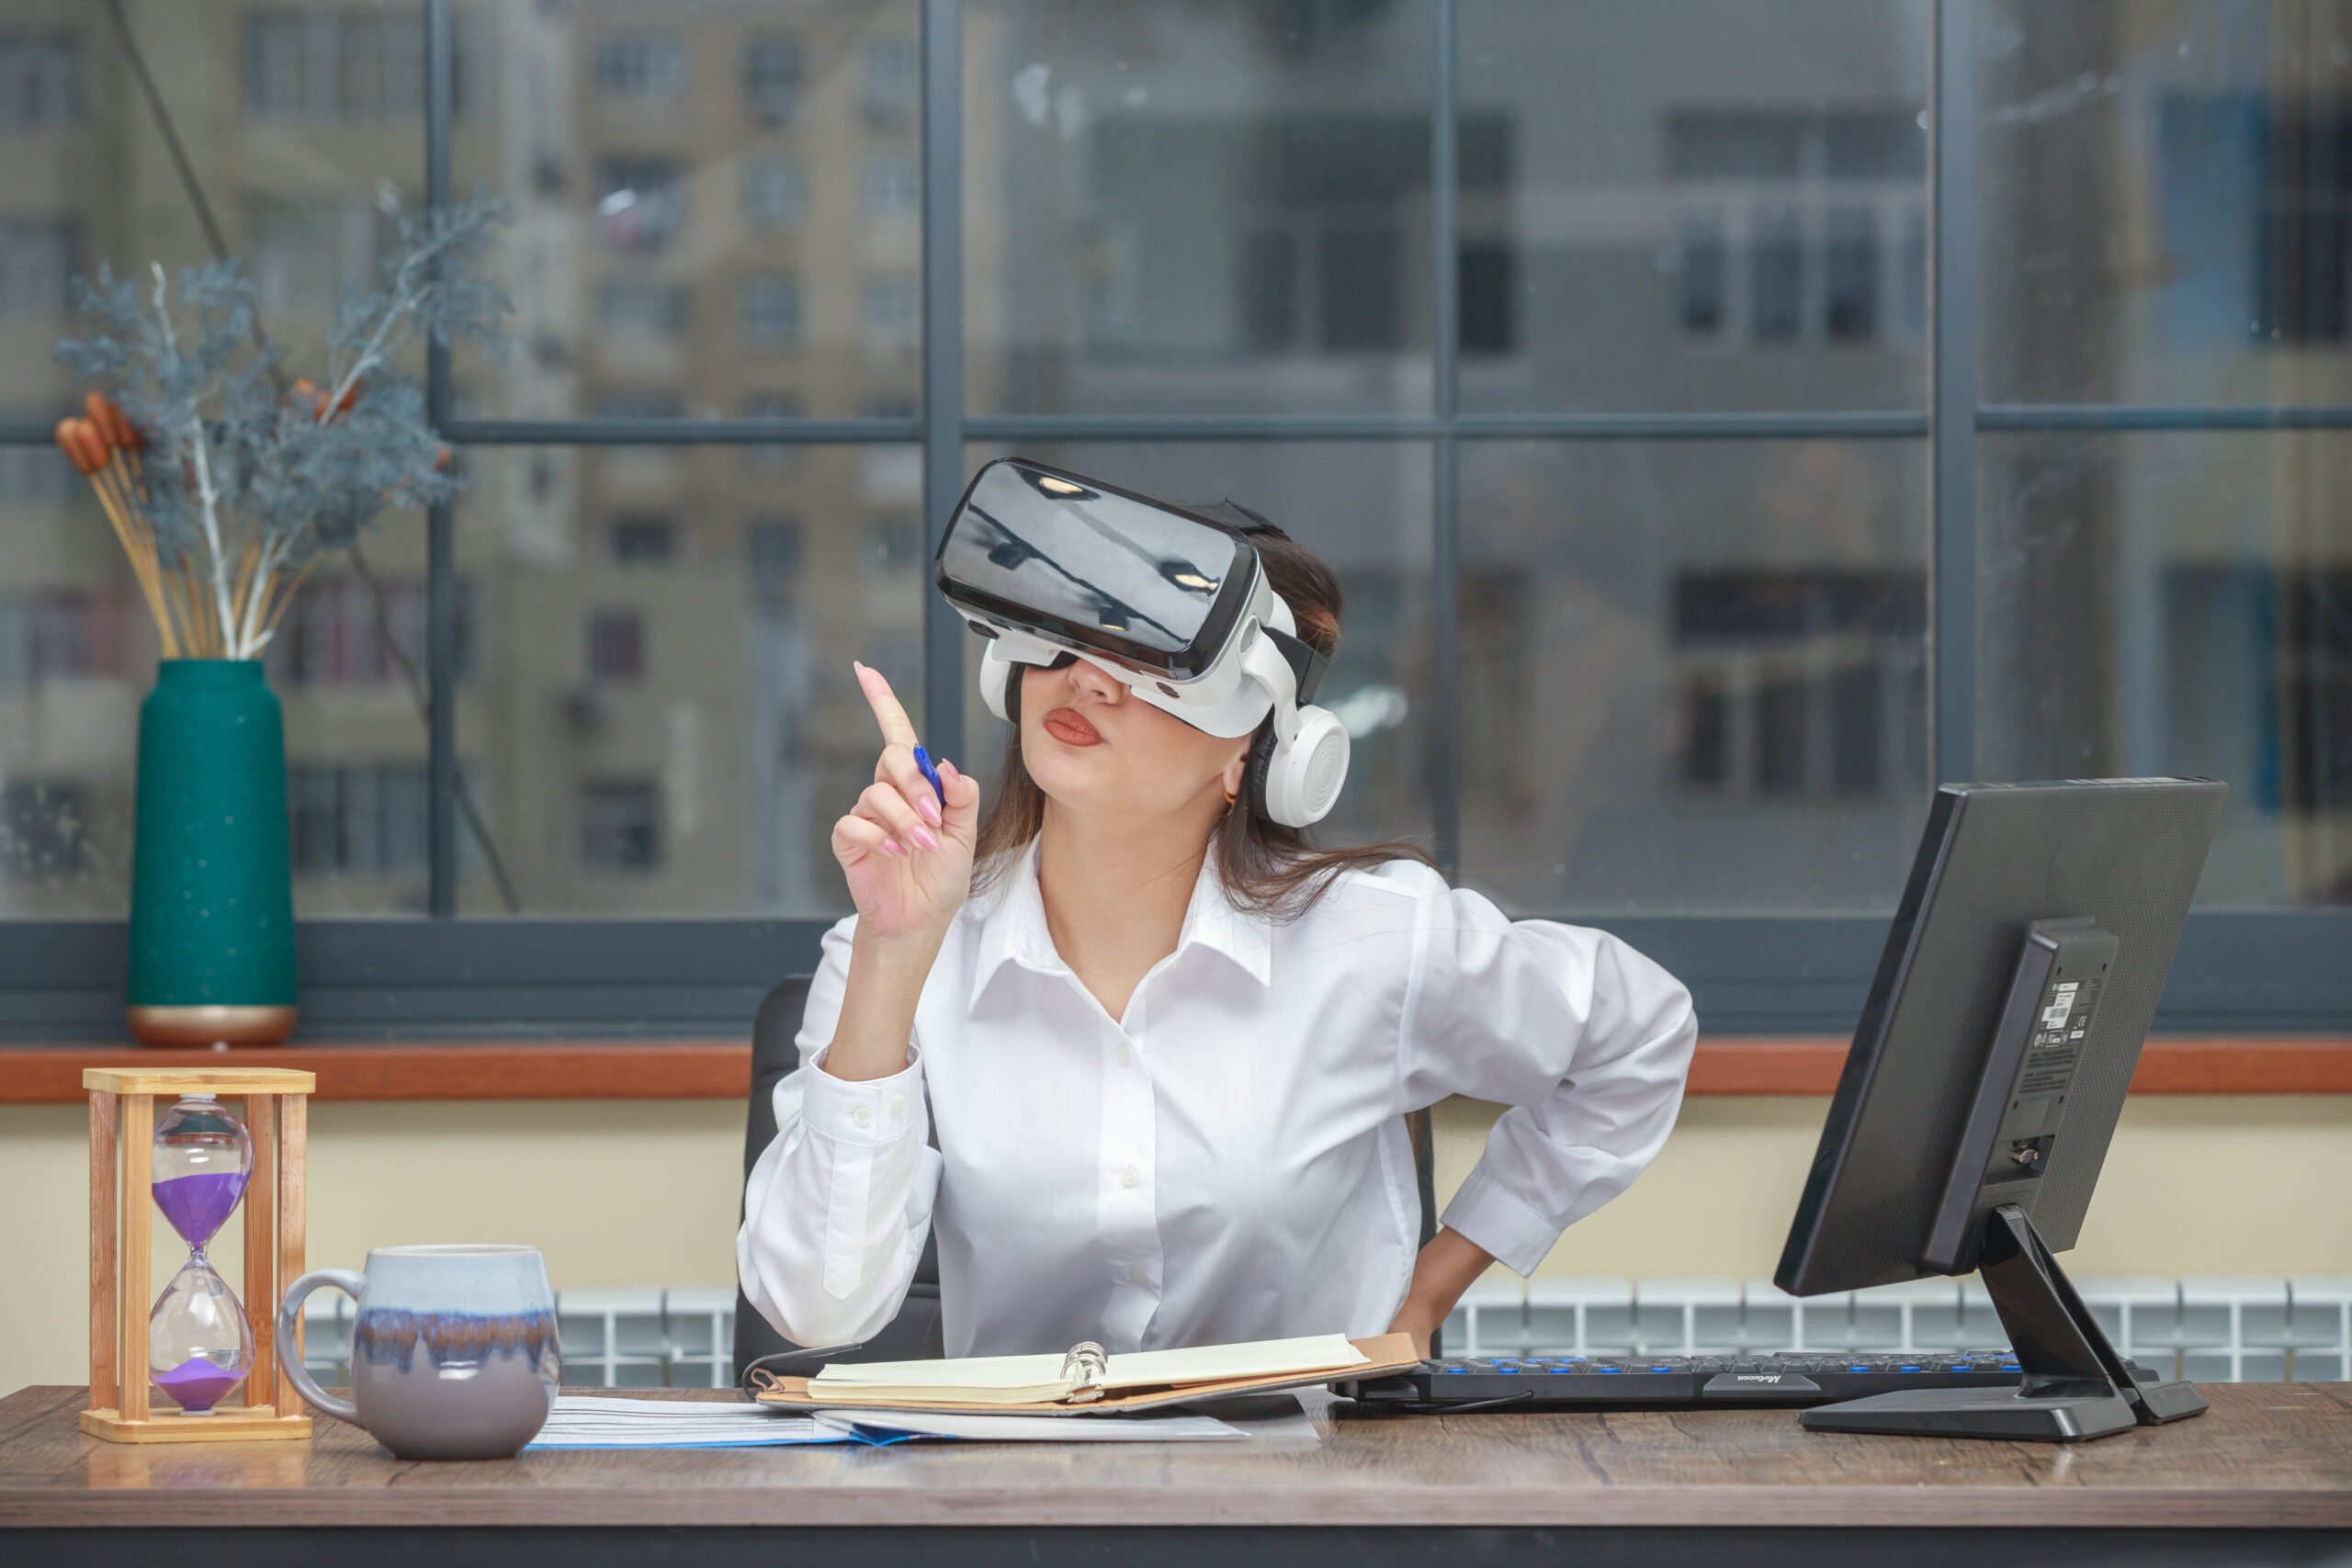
(2126, 854)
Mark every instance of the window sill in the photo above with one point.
(720, 1069)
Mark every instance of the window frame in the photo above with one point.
(2238, 971)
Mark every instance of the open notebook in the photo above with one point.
(1084, 1381)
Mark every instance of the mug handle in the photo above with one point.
(350, 1283)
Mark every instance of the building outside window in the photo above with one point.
(771, 312)
(640, 202)
(774, 193)
(41, 79)
(772, 82)
(616, 648)
(621, 824)
(640, 65)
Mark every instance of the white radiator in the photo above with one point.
(2237, 1329)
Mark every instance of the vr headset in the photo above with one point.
(1171, 602)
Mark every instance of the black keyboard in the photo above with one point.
(1788, 1378)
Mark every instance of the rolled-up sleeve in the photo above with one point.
(1585, 1040)
(837, 1208)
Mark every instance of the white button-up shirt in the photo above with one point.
(1227, 1161)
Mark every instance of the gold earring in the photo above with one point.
(1229, 798)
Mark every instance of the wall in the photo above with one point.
(620, 1194)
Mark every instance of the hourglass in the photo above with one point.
(196, 1361)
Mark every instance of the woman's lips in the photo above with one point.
(1067, 726)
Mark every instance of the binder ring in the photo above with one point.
(1085, 1365)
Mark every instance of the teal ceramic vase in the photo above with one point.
(211, 895)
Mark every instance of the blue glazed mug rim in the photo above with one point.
(454, 1249)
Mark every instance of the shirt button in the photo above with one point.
(860, 1116)
(1136, 1276)
(1130, 1176)
(898, 1103)
(1123, 1053)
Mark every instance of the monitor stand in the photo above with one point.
(2075, 1387)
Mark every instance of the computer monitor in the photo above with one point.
(1988, 1068)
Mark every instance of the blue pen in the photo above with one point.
(922, 760)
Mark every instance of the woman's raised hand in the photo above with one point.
(907, 857)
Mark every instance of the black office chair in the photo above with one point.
(914, 1333)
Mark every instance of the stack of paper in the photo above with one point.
(595, 1421)
(1031, 1379)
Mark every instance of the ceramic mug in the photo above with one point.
(453, 1353)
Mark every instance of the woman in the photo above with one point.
(1145, 1082)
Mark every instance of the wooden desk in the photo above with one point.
(2266, 1476)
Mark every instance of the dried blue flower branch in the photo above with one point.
(246, 482)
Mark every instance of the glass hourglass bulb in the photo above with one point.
(198, 1344)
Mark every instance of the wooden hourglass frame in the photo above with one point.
(122, 1209)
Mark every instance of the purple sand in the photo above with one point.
(198, 1204)
(196, 1384)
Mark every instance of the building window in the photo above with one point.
(621, 824)
(640, 202)
(644, 541)
(41, 80)
(641, 307)
(338, 631)
(1788, 223)
(640, 405)
(772, 548)
(893, 312)
(771, 312)
(616, 648)
(307, 254)
(349, 64)
(363, 819)
(893, 79)
(43, 831)
(775, 454)
(893, 184)
(1799, 684)
(772, 78)
(57, 634)
(775, 195)
(640, 65)
(37, 259)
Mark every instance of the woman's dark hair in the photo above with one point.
(1266, 868)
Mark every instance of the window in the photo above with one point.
(616, 648)
(351, 65)
(644, 541)
(357, 819)
(892, 316)
(893, 184)
(640, 65)
(42, 832)
(640, 404)
(1802, 209)
(41, 80)
(771, 547)
(1671, 447)
(1799, 684)
(640, 202)
(772, 78)
(347, 632)
(621, 824)
(773, 192)
(38, 260)
(771, 312)
(772, 405)
(641, 308)
(893, 77)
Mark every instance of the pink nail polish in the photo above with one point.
(930, 809)
(892, 847)
(926, 838)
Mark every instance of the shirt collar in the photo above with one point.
(1014, 926)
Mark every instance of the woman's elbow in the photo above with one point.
(790, 1295)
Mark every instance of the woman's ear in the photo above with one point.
(1236, 770)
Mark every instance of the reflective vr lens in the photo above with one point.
(1099, 567)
